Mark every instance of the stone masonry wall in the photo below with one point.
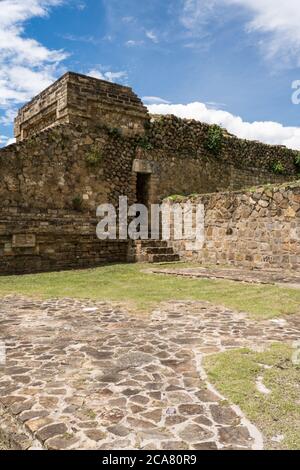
(82, 142)
(255, 229)
(78, 99)
(179, 156)
(66, 166)
(43, 242)
(50, 187)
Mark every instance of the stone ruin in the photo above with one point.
(84, 141)
(77, 99)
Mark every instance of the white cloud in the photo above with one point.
(108, 75)
(4, 139)
(280, 20)
(10, 141)
(196, 13)
(133, 43)
(154, 100)
(26, 66)
(152, 36)
(266, 131)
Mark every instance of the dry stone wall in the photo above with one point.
(43, 242)
(184, 165)
(255, 229)
(64, 166)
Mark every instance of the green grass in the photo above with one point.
(142, 291)
(234, 374)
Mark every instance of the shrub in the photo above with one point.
(94, 157)
(144, 143)
(115, 131)
(297, 159)
(77, 203)
(175, 198)
(278, 168)
(214, 139)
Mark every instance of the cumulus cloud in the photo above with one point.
(108, 75)
(26, 66)
(152, 36)
(280, 20)
(267, 131)
(5, 140)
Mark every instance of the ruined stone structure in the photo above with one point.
(77, 99)
(257, 228)
(83, 142)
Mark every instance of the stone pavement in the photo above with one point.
(256, 276)
(88, 375)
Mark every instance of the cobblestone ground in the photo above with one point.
(88, 375)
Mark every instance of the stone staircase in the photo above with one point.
(154, 251)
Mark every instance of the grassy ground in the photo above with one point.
(234, 374)
(142, 291)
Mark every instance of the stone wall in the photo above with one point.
(67, 165)
(83, 142)
(179, 157)
(50, 187)
(255, 229)
(51, 242)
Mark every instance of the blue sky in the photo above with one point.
(226, 61)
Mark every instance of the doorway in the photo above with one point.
(142, 188)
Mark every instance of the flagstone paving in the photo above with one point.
(89, 375)
(252, 276)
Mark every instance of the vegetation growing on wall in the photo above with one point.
(115, 131)
(94, 157)
(278, 168)
(297, 160)
(144, 143)
(77, 203)
(214, 139)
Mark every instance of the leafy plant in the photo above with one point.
(144, 143)
(115, 131)
(94, 157)
(278, 168)
(77, 203)
(297, 159)
(214, 139)
(175, 198)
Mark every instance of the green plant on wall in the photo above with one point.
(214, 139)
(278, 168)
(144, 143)
(77, 203)
(94, 157)
(115, 131)
(297, 160)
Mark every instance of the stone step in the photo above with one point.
(159, 250)
(169, 258)
(151, 243)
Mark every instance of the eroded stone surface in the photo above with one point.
(87, 375)
(252, 276)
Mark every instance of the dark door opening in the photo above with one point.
(142, 188)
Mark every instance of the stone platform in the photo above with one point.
(252, 276)
(88, 375)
